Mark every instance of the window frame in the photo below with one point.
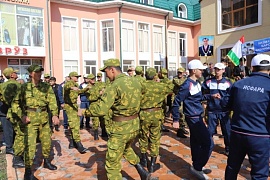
(134, 35)
(95, 22)
(186, 49)
(128, 65)
(64, 66)
(175, 44)
(163, 38)
(183, 12)
(77, 34)
(90, 66)
(143, 65)
(151, 3)
(149, 37)
(101, 34)
(219, 19)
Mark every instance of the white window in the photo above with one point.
(158, 65)
(90, 67)
(70, 66)
(143, 37)
(172, 43)
(127, 64)
(182, 44)
(182, 10)
(127, 36)
(145, 64)
(107, 36)
(148, 2)
(172, 69)
(157, 39)
(89, 36)
(70, 34)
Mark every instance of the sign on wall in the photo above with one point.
(22, 28)
(256, 46)
(206, 45)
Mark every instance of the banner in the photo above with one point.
(256, 46)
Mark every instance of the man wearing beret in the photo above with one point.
(9, 90)
(139, 74)
(71, 92)
(32, 102)
(123, 98)
(47, 78)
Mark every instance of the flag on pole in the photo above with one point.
(236, 52)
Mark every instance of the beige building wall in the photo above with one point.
(209, 26)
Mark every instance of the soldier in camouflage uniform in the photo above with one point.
(9, 90)
(178, 81)
(71, 92)
(139, 74)
(151, 116)
(123, 97)
(163, 78)
(47, 78)
(33, 100)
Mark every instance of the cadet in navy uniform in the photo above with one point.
(250, 125)
(191, 96)
(218, 84)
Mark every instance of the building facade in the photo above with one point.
(78, 35)
(232, 20)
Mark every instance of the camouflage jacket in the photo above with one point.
(70, 96)
(177, 83)
(140, 78)
(154, 93)
(32, 96)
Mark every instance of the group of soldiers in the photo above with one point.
(129, 107)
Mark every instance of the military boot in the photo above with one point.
(28, 175)
(71, 144)
(142, 172)
(152, 167)
(163, 129)
(180, 133)
(47, 164)
(103, 132)
(144, 159)
(17, 162)
(96, 135)
(80, 147)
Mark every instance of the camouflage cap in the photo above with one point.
(91, 76)
(150, 72)
(181, 69)
(47, 75)
(163, 71)
(8, 71)
(139, 70)
(110, 62)
(74, 74)
(99, 74)
(35, 68)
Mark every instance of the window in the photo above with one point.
(89, 36)
(158, 65)
(236, 13)
(157, 39)
(70, 34)
(172, 69)
(127, 36)
(144, 64)
(182, 11)
(127, 64)
(90, 67)
(143, 37)
(171, 43)
(108, 36)
(182, 44)
(148, 2)
(70, 66)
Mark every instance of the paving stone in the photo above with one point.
(68, 175)
(42, 174)
(213, 167)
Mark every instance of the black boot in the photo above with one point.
(152, 167)
(80, 147)
(47, 164)
(144, 159)
(28, 175)
(17, 162)
(180, 133)
(96, 135)
(71, 144)
(163, 129)
(142, 172)
(184, 130)
(104, 133)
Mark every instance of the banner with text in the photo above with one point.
(256, 46)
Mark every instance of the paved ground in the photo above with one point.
(175, 160)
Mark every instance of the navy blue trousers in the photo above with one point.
(224, 124)
(200, 142)
(65, 117)
(257, 149)
(8, 132)
(84, 105)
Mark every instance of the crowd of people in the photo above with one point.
(133, 107)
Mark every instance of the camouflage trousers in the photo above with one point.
(119, 145)
(39, 123)
(19, 129)
(98, 121)
(150, 131)
(73, 121)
